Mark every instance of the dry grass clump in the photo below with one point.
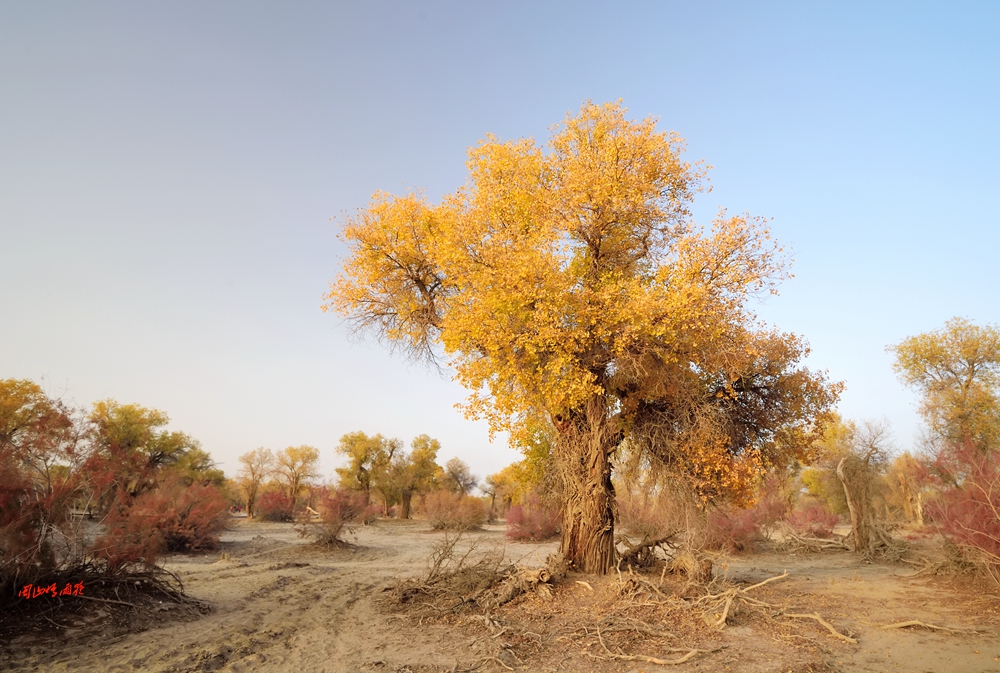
(454, 511)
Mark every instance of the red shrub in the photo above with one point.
(336, 509)
(35, 534)
(813, 520)
(174, 517)
(371, 514)
(20, 519)
(274, 506)
(532, 521)
(968, 510)
(734, 530)
(454, 511)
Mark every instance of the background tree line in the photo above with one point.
(377, 468)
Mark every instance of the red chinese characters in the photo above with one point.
(32, 591)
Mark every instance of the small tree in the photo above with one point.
(860, 469)
(908, 479)
(256, 466)
(197, 467)
(459, 478)
(382, 474)
(37, 451)
(295, 466)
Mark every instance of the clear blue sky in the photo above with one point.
(168, 172)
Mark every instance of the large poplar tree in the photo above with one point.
(568, 286)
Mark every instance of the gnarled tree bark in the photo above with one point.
(583, 452)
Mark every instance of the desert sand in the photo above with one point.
(281, 604)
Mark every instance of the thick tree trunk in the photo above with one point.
(588, 516)
(858, 523)
(404, 506)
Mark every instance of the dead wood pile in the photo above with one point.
(472, 581)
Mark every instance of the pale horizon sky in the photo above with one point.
(169, 171)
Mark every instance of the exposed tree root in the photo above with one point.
(915, 622)
(714, 602)
(823, 622)
(459, 583)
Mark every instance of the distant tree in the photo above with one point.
(255, 467)
(196, 466)
(459, 478)
(863, 461)
(957, 371)
(382, 473)
(295, 466)
(413, 472)
(36, 431)
(908, 479)
(127, 446)
(367, 460)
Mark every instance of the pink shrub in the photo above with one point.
(734, 530)
(371, 514)
(640, 518)
(173, 517)
(336, 509)
(24, 516)
(274, 506)
(813, 520)
(532, 521)
(968, 510)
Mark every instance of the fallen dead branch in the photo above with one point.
(614, 624)
(924, 566)
(823, 622)
(720, 605)
(793, 540)
(643, 554)
(689, 653)
(472, 581)
(925, 625)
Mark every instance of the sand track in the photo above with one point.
(279, 604)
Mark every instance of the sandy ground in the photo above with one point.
(282, 605)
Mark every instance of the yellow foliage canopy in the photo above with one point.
(957, 369)
(570, 282)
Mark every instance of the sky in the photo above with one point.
(173, 176)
